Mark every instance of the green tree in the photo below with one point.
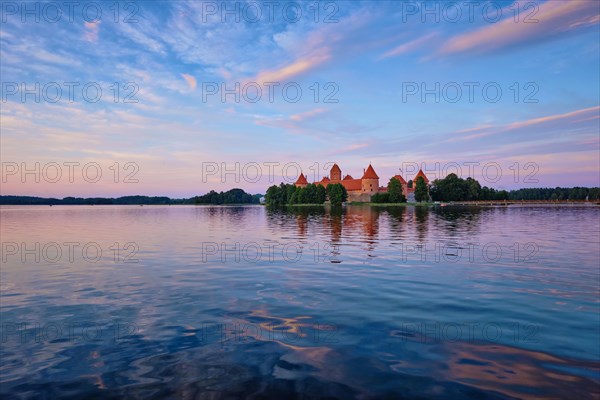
(502, 195)
(321, 194)
(344, 192)
(395, 191)
(290, 190)
(485, 193)
(233, 196)
(337, 194)
(272, 197)
(473, 189)
(256, 198)
(381, 198)
(421, 192)
(293, 199)
(302, 196)
(451, 188)
(283, 199)
(311, 193)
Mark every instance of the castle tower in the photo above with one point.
(421, 174)
(370, 181)
(301, 182)
(336, 173)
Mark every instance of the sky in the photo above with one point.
(179, 98)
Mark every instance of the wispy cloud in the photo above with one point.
(293, 69)
(553, 18)
(320, 123)
(307, 114)
(572, 117)
(295, 123)
(474, 129)
(190, 80)
(586, 112)
(352, 148)
(307, 50)
(409, 46)
(92, 29)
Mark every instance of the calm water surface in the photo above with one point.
(230, 302)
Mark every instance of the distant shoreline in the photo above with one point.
(322, 206)
(352, 204)
(231, 197)
(10, 200)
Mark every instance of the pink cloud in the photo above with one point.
(409, 46)
(307, 114)
(348, 149)
(475, 129)
(297, 67)
(550, 118)
(92, 29)
(553, 18)
(570, 117)
(310, 50)
(190, 80)
(294, 123)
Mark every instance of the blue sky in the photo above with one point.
(368, 56)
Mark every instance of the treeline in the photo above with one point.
(286, 194)
(393, 195)
(453, 188)
(558, 194)
(233, 196)
(125, 200)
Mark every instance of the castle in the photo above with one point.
(361, 189)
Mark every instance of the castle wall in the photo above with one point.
(370, 186)
(359, 196)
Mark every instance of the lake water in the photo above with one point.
(231, 302)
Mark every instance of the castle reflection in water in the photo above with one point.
(371, 227)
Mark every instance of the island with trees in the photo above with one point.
(450, 189)
(311, 194)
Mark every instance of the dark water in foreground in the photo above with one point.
(231, 302)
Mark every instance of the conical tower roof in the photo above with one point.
(370, 173)
(421, 173)
(301, 180)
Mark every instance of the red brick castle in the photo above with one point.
(361, 189)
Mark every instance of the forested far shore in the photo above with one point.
(452, 189)
(558, 194)
(233, 196)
